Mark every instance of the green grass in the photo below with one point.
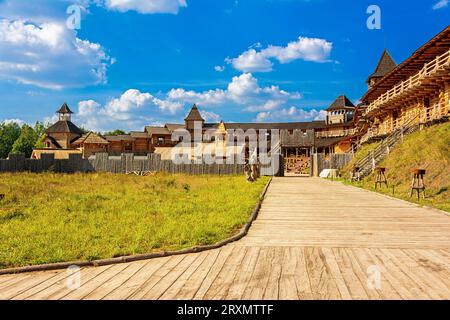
(47, 218)
(428, 149)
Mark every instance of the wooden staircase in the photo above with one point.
(367, 164)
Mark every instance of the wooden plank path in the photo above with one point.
(314, 239)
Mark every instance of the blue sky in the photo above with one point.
(140, 62)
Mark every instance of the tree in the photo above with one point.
(9, 133)
(26, 141)
(39, 129)
(115, 133)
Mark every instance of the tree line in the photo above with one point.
(15, 138)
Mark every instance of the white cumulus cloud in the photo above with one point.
(126, 111)
(20, 122)
(49, 55)
(146, 6)
(243, 90)
(243, 94)
(307, 49)
(210, 116)
(132, 99)
(441, 4)
(251, 61)
(119, 112)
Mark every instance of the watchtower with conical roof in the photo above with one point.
(340, 111)
(194, 120)
(385, 65)
(65, 114)
(63, 133)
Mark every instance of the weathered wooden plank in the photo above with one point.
(8, 280)
(288, 284)
(216, 268)
(59, 289)
(303, 283)
(192, 285)
(333, 263)
(172, 292)
(220, 286)
(272, 291)
(61, 276)
(392, 276)
(94, 283)
(155, 292)
(156, 277)
(256, 287)
(385, 291)
(243, 275)
(117, 281)
(425, 280)
(323, 285)
(137, 281)
(26, 283)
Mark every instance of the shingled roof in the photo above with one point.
(194, 115)
(341, 103)
(121, 137)
(152, 130)
(172, 127)
(64, 127)
(139, 135)
(91, 138)
(385, 65)
(64, 109)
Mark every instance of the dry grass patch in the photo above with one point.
(46, 218)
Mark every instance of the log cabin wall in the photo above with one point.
(115, 147)
(91, 149)
(141, 145)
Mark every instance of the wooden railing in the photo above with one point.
(434, 112)
(368, 163)
(428, 70)
(400, 123)
(335, 133)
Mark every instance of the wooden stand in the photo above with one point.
(356, 175)
(380, 177)
(418, 183)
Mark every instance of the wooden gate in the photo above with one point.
(297, 166)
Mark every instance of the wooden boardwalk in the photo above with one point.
(314, 239)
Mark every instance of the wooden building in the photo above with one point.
(63, 133)
(298, 139)
(340, 111)
(415, 92)
(161, 137)
(60, 137)
(91, 143)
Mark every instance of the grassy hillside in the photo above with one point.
(363, 152)
(428, 149)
